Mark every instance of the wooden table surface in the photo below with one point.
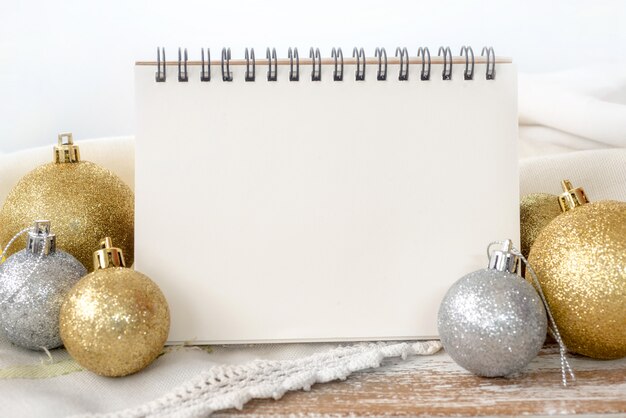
(436, 386)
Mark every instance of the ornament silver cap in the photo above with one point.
(504, 259)
(41, 238)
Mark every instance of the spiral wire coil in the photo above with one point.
(359, 59)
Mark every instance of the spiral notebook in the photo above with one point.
(309, 198)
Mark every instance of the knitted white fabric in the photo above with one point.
(225, 387)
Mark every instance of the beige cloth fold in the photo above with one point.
(602, 173)
(572, 110)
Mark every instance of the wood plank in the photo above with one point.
(436, 386)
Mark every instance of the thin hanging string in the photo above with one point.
(33, 268)
(565, 366)
(16, 236)
(566, 369)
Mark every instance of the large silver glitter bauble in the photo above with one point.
(30, 315)
(492, 323)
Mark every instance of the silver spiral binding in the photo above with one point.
(183, 75)
(446, 73)
(359, 54)
(403, 53)
(227, 75)
(272, 69)
(250, 74)
(205, 70)
(360, 60)
(316, 62)
(381, 54)
(425, 73)
(490, 73)
(468, 52)
(293, 54)
(337, 54)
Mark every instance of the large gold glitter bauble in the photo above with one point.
(536, 211)
(84, 202)
(115, 320)
(580, 260)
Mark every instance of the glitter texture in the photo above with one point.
(83, 201)
(580, 260)
(492, 323)
(536, 211)
(115, 321)
(30, 314)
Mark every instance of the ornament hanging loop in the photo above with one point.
(65, 151)
(12, 240)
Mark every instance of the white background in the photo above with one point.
(68, 65)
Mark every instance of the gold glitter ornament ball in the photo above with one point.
(84, 202)
(115, 320)
(536, 211)
(580, 260)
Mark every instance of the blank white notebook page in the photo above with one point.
(324, 210)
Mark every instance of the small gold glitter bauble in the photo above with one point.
(81, 199)
(115, 320)
(536, 211)
(580, 260)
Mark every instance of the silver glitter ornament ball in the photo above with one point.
(492, 323)
(32, 288)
